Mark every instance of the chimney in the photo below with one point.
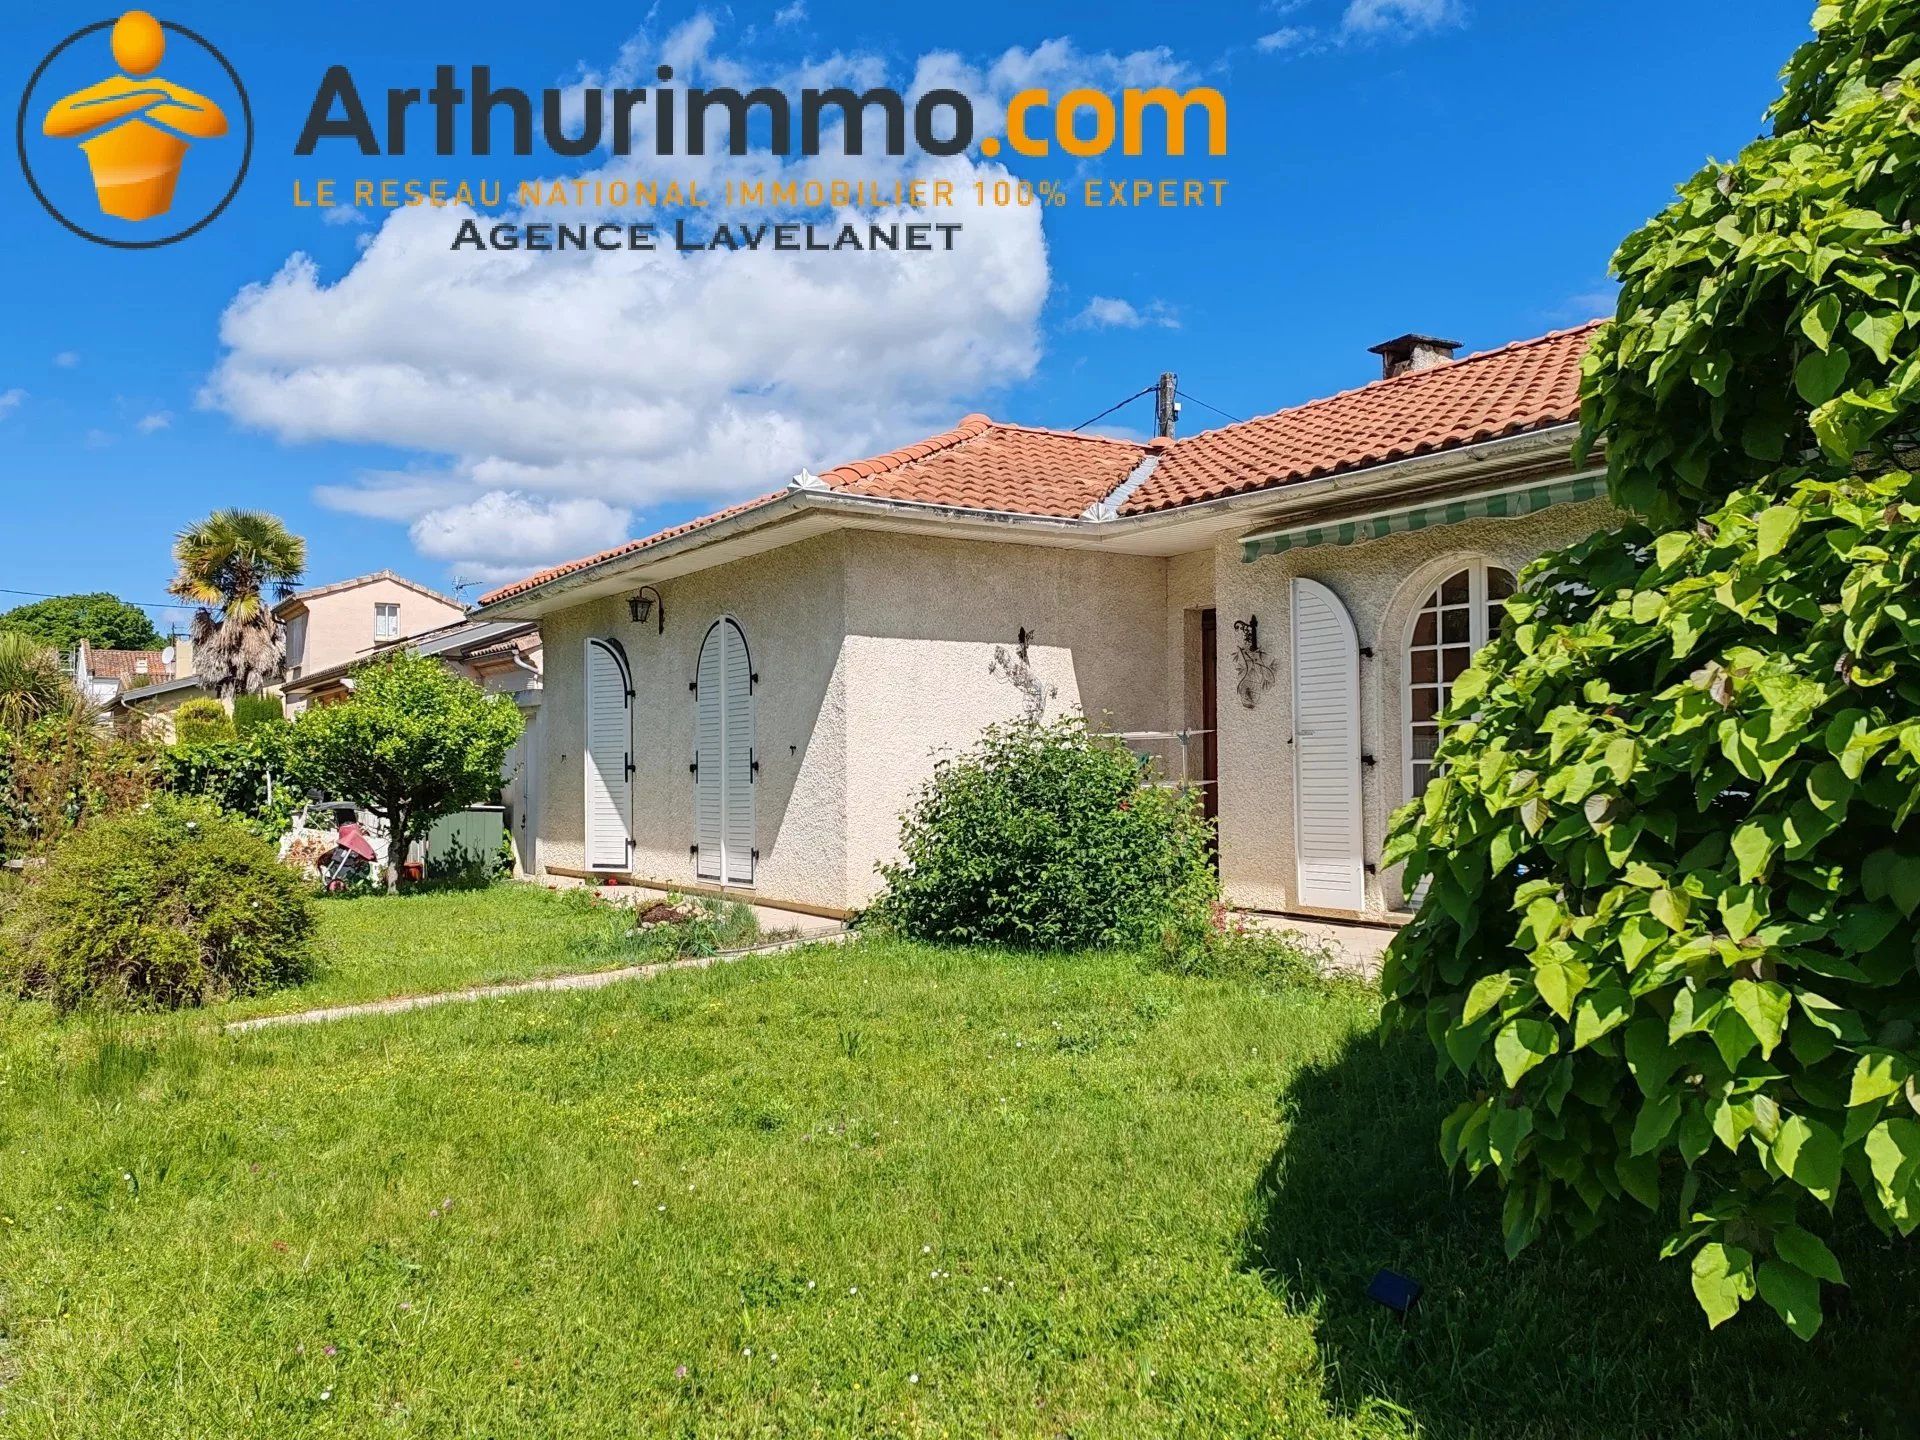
(1412, 352)
(1166, 409)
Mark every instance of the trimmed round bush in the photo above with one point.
(1046, 837)
(171, 905)
(202, 721)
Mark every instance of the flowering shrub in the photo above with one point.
(174, 904)
(1669, 940)
(1047, 837)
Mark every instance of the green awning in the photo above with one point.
(1507, 503)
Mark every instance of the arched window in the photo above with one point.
(1460, 616)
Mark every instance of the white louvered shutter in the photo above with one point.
(1326, 751)
(738, 722)
(609, 749)
(709, 755)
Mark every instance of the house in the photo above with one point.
(104, 675)
(335, 625)
(1276, 608)
(327, 628)
(502, 657)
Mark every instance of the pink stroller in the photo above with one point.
(350, 862)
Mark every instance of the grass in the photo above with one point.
(871, 1190)
(374, 946)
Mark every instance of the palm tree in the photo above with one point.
(229, 562)
(32, 684)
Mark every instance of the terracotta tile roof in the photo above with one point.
(1519, 387)
(554, 572)
(125, 664)
(981, 464)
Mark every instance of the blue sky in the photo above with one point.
(1457, 166)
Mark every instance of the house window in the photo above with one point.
(1460, 616)
(386, 622)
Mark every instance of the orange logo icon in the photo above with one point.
(136, 131)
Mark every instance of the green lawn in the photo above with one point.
(374, 946)
(869, 1190)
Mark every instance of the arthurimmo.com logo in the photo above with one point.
(123, 155)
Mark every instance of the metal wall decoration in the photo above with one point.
(1253, 671)
(1020, 674)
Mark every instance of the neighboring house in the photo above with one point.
(749, 701)
(498, 656)
(335, 625)
(327, 628)
(104, 675)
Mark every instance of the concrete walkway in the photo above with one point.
(1357, 949)
(588, 980)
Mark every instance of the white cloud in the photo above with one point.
(154, 420)
(1398, 19)
(516, 533)
(1104, 312)
(554, 396)
(1287, 37)
(342, 215)
(67, 359)
(11, 400)
(791, 14)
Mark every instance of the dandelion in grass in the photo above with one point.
(326, 1394)
(914, 1378)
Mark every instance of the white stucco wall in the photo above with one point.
(924, 620)
(1383, 583)
(789, 603)
(875, 654)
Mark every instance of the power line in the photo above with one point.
(1111, 408)
(1205, 406)
(138, 605)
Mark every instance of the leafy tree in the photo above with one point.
(102, 620)
(415, 742)
(233, 565)
(1669, 939)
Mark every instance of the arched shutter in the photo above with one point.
(738, 722)
(609, 758)
(1326, 751)
(709, 756)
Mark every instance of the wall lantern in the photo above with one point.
(643, 602)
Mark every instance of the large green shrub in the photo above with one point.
(253, 712)
(202, 721)
(1669, 940)
(1048, 837)
(257, 777)
(174, 904)
(62, 772)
